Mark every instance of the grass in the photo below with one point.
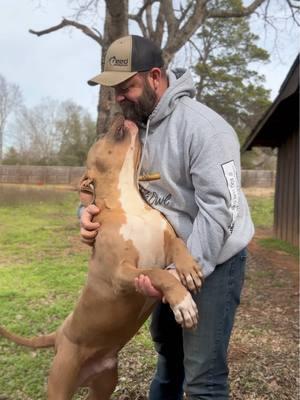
(43, 267)
(262, 209)
(262, 212)
(40, 277)
(276, 244)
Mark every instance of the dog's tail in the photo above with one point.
(36, 342)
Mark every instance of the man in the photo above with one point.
(196, 154)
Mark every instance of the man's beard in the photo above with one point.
(139, 112)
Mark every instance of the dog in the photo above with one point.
(134, 240)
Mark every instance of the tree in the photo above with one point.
(10, 100)
(170, 24)
(52, 133)
(11, 157)
(77, 134)
(226, 82)
(37, 137)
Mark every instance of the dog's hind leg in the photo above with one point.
(64, 374)
(104, 384)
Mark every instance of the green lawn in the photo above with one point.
(40, 277)
(262, 211)
(42, 269)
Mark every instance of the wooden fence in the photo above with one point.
(41, 175)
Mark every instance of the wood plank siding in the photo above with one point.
(286, 221)
(279, 127)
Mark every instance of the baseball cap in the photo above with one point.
(126, 57)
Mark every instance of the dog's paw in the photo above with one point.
(186, 312)
(191, 276)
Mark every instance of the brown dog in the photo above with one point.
(135, 239)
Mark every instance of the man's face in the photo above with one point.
(136, 98)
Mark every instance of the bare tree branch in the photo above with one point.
(138, 17)
(159, 30)
(149, 20)
(81, 9)
(172, 22)
(293, 7)
(185, 12)
(243, 12)
(66, 22)
(178, 37)
(147, 3)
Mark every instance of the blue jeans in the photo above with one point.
(195, 361)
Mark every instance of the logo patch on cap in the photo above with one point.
(114, 61)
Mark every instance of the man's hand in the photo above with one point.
(89, 229)
(144, 286)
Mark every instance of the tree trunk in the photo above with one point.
(1, 146)
(115, 26)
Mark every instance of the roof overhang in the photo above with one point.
(281, 117)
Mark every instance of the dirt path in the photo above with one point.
(264, 350)
(263, 354)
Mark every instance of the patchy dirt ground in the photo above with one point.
(264, 350)
(263, 354)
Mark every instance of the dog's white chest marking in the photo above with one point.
(145, 227)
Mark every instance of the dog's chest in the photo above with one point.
(144, 226)
(146, 230)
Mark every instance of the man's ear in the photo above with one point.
(156, 76)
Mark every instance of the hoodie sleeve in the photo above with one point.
(215, 179)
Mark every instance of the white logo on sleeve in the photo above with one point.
(233, 187)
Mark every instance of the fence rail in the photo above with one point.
(40, 175)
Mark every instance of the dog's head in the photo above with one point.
(117, 152)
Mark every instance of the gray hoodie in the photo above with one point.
(196, 152)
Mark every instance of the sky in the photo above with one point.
(58, 65)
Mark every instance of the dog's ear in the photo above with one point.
(86, 186)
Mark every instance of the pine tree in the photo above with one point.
(228, 82)
(78, 134)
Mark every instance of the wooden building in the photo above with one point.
(279, 127)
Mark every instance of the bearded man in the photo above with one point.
(196, 154)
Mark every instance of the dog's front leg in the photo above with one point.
(180, 300)
(189, 271)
